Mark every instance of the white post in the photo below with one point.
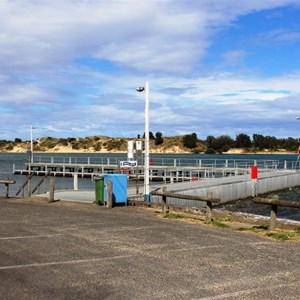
(31, 145)
(75, 181)
(147, 148)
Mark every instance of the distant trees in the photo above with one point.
(151, 135)
(220, 144)
(158, 138)
(190, 140)
(243, 141)
(290, 144)
(259, 142)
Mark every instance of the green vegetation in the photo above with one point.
(190, 140)
(229, 222)
(174, 216)
(217, 223)
(158, 138)
(282, 235)
(188, 143)
(116, 144)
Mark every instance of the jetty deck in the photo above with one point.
(166, 170)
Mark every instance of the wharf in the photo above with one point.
(159, 173)
(226, 179)
(224, 188)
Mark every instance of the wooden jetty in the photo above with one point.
(157, 173)
(162, 170)
(226, 179)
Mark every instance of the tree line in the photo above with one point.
(243, 141)
(223, 143)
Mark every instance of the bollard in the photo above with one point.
(29, 186)
(6, 190)
(51, 191)
(209, 208)
(109, 202)
(164, 202)
(75, 181)
(273, 216)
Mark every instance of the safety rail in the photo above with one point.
(156, 161)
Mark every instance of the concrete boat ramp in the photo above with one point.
(226, 188)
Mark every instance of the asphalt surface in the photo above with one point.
(66, 250)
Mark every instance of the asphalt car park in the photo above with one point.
(65, 250)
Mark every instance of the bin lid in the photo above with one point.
(98, 177)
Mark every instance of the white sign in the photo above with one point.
(128, 164)
(138, 145)
(130, 150)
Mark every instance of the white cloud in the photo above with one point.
(165, 42)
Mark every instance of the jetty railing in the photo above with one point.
(175, 162)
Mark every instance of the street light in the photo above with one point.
(147, 148)
(30, 152)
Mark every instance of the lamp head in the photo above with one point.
(140, 89)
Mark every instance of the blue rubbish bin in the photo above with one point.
(119, 187)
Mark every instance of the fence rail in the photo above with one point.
(6, 183)
(275, 202)
(209, 200)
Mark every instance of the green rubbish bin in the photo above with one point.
(99, 189)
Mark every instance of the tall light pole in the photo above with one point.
(298, 118)
(147, 148)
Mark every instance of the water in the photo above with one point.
(248, 206)
(7, 160)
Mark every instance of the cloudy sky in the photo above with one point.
(70, 67)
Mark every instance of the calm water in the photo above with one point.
(7, 160)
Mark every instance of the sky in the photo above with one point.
(70, 68)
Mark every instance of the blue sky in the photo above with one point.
(70, 68)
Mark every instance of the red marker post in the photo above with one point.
(254, 172)
(254, 176)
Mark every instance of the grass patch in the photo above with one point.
(280, 235)
(173, 216)
(284, 236)
(217, 223)
(228, 219)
